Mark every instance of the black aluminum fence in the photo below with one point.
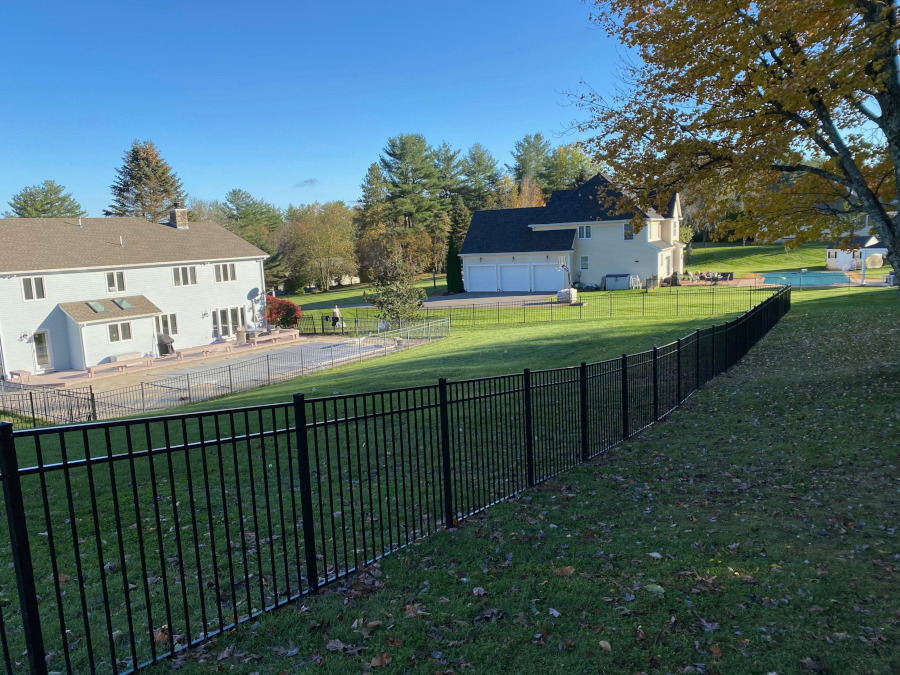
(40, 406)
(129, 541)
(666, 302)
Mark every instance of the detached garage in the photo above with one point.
(502, 253)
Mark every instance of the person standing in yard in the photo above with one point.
(335, 317)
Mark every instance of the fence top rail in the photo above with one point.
(141, 421)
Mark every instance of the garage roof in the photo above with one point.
(508, 231)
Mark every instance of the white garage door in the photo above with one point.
(548, 278)
(514, 278)
(481, 278)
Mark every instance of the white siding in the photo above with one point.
(156, 282)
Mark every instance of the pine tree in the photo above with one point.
(46, 200)
(145, 184)
(411, 176)
(454, 269)
(529, 158)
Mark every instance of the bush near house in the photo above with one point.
(282, 313)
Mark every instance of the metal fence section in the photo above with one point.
(38, 406)
(131, 540)
(666, 302)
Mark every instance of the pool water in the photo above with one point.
(806, 278)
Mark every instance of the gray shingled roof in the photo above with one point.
(859, 241)
(43, 244)
(507, 231)
(82, 312)
(594, 201)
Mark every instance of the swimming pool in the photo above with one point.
(806, 278)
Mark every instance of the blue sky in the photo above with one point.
(290, 101)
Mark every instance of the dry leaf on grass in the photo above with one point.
(565, 571)
(605, 646)
(381, 661)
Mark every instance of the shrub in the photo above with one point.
(281, 313)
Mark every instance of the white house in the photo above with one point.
(77, 292)
(520, 249)
(848, 254)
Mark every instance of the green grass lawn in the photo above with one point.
(753, 531)
(480, 351)
(349, 296)
(728, 257)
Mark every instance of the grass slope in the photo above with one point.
(353, 295)
(751, 532)
(480, 351)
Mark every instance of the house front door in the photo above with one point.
(42, 356)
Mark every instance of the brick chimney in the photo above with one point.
(178, 216)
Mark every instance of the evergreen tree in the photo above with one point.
(145, 184)
(480, 177)
(253, 219)
(454, 269)
(411, 178)
(460, 218)
(46, 200)
(529, 158)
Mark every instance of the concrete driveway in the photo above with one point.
(469, 299)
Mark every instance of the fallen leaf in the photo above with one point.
(812, 665)
(335, 646)
(655, 589)
(715, 650)
(414, 610)
(64, 578)
(395, 642)
(708, 626)
(382, 660)
(478, 591)
(605, 646)
(655, 555)
(641, 634)
(225, 653)
(565, 571)
(553, 612)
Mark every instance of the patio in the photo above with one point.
(113, 375)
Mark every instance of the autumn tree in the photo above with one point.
(794, 106)
(565, 167)
(47, 200)
(317, 244)
(145, 184)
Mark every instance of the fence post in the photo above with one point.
(306, 508)
(143, 398)
(268, 369)
(231, 377)
(529, 427)
(678, 370)
(697, 360)
(93, 404)
(655, 383)
(187, 376)
(624, 368)
(33, 415)
(332, 356)
(21, 550)
(584, 413)
(445, 454)
(712, 351)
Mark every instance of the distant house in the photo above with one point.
(848, 254)
(520, 249)
(78, 292)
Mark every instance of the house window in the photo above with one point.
(115, 282)
(585, 262)
(584, 231)
(167, 324)
(120, 332)
(33, 288)
(226, 320)
(225, 272)
(185, 276)
(629, 231)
